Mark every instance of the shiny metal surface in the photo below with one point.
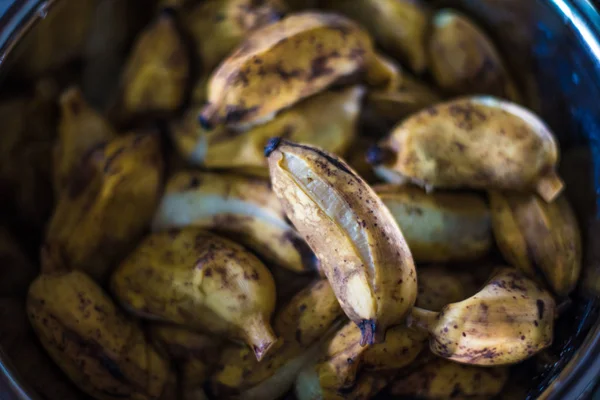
(553, 47)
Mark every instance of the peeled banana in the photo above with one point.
(302, 325)
(475, 142)
(440, 286)
(240, 207)
(441, 379)
(107, 206)
(201, 281)
(92, 341)
(305, 122)
(360, 247)
(464, 59)
(441, 226)
(285, 62)
(155, 77)
(80, 131)
(534, 235)
(506, 322)
(16, 270)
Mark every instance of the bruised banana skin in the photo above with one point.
(303, 324)
(305, 122)
(441, 226)
(506, 322)
(240, 207)
(92, 341)
(360, 247)
(285, 62)
(535, 235)
(478, 142)
(80, 130)
(441, 379)
(201, 281)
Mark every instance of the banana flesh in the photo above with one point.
(439, 286)
(17, 271)
(92, 341)
(240, 207)
(81, 129)
(464, 60)
(201, 281)
(285, 62)
(480, 142)
(107, 206)
(360, 247)
(440, 226)
(223, 147)
(441, 379)
(534, 235)
(508, 321)
(302, 325)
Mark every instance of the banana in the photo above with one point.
(217, 27)
(534, 235)
(156, 76)
(302, 325)
(105, 354)
(201, 281)
(81, 129)
(17, 271)
(474, 142)
(243, 208)
(368, 385)
(441, 379)
(400, 27)
(223, 147)
(360, 247)
(441, 226)
(506, 322)
(107, 207)
(439, 286)
(285, 62)
(464, 59)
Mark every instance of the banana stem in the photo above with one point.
(423, 319)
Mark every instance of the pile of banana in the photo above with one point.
(282, 201)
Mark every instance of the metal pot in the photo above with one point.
(552, 46)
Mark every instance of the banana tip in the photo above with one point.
(261, 350)
(272, 145)
(368, 330)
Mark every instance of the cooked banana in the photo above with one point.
(155, 77)
(535, 235)
(439, 286)
(16, 271)
(217, 27)
(81, 130)
(476, 142)
(107, 207)
(441, 379)
(306, 122)
(285, 62)
(441, 226)
(236, 206)
(202, 281)
(92, 341)
(506, 322)
(400, 27)
(360, 247)
(302, 325)
(464, 60)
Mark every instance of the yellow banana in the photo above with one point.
(302, 325)
(464, 59)
(400, 27)
(243, 208)
(107, 207)
(92, 341)
(439, 286)
(441, 379)
(223, 147)
(285, 62)
(360, 247)
(201, 281)
(475, 142)
(535, 235)
(17, 271)
(441, 226)
(80, 131)
(506, 322)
